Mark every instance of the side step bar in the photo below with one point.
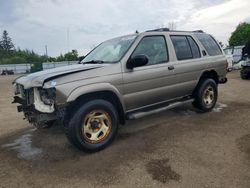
(140, 114)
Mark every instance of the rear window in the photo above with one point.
(209, 44)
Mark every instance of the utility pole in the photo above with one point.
(46, 52)
(172, 25)
(68, 41)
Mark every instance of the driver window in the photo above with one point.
(154, 47)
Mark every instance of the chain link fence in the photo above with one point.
(25, 68)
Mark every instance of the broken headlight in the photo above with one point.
(48, 96)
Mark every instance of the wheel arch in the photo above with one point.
(82, 95)
(210, 74)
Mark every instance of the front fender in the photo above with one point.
(98, 87)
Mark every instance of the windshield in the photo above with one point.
(110, 51)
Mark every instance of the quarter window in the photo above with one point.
(154, 47)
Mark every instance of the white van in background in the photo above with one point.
(233, 55)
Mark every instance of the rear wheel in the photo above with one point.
(206, 95)
(93, 126)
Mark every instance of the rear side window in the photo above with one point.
(194, 47)
(209, 44)
(182, 48)
(185, 47)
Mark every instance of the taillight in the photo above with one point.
(226, 64)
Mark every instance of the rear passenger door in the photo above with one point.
(187, 63)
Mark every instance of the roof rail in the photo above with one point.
(167, 29)
(198, 31)
(159, 29)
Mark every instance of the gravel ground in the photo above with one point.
(176, 148)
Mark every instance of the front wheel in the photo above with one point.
(93, 126)
(206, 95)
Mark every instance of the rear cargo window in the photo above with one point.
(209, 44)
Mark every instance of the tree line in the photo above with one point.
(9, 54)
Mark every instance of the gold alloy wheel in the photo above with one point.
(208, 96)
(96, 126)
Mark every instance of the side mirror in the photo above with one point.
(137, 61)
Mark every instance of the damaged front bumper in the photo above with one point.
(37, 104)
(31, 114)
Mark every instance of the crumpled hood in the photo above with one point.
(37, 79)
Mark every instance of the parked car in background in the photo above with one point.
(238, 66)
(245, 71)
(229, 55)
(124, 78)
(7, 72)
(237, 53)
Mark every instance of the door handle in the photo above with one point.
(171, 67)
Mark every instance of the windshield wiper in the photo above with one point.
(94, 62)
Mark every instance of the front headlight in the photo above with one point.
(16, 90)
(48, 96)
(19, 90)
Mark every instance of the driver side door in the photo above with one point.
(148, 84)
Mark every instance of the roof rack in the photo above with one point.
(198, 31)
(167, 29)
(159, 29)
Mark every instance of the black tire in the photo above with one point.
(202, 92)
(244, 75)
(75, 127)
(46, 125)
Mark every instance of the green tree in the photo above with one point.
(6, 42)
(60, 58)
(71, 56)
(241, 35)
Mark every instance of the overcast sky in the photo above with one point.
(32, 24)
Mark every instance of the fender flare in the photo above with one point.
(92, 88)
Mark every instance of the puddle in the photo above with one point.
(23, 146)
(219, 107)
(161, 171)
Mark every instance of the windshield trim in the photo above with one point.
(136, 35)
